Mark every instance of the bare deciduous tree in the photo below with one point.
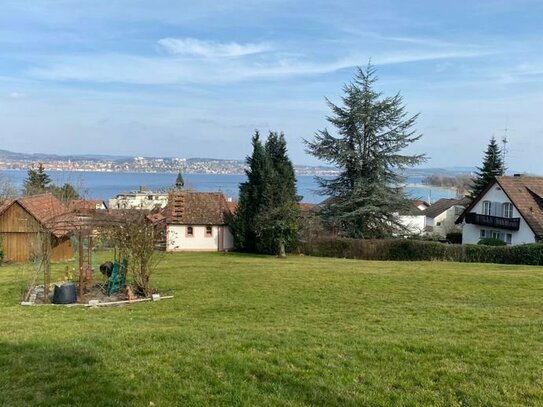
(134, 237)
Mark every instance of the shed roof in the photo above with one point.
(44, 208)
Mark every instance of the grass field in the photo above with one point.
(259, 331)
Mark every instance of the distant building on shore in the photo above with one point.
(142, 199)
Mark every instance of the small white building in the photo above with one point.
(510, 209)
(413, 219)
(198, 221)
(142, 199)
(440, 217)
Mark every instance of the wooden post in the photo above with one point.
(45, 237)
(81, 264)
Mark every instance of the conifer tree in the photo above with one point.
(251, 196)
(493, 166)
(372, 131)
(267, 214)
(37, 181)
(277, 222)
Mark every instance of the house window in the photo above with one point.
(483, 234)
(508, 238)
(209, 231)
(507, 210)
(486, 207)
(190, 231)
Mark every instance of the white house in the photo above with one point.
(198, 221)
(510, 209)
(440, 217)
(413, 219)
(142, 199)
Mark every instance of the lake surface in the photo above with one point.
(105, 185)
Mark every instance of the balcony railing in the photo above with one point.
(493, 221)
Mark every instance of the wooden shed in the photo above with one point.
(21, 221)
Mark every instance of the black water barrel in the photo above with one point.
(65, 294)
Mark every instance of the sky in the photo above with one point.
(195, 79)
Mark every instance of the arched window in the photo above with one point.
(190, 231)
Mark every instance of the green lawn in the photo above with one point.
(258, 331)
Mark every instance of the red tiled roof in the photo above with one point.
(232, 206)
(83, 204)
(44, 208)
(526, 194)
(306, 207)
(197, 208)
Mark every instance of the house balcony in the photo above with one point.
(493, 221)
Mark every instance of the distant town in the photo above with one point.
(21, 161)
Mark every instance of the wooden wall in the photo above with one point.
(19, 233)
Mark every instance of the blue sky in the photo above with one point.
(176, 78)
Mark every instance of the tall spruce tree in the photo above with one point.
(37, 181)
(372, 131)
(267, 213)
(493, 166)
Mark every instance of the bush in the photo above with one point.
(454, 237)
(394, 249)
(491, 241)
(415, 250)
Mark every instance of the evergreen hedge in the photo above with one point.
(416, 250)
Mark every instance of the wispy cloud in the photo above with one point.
(16, 95)
(210, 49)
(218, 63)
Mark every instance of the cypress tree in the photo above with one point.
(493, 166)
(372, 131)
(251, 196)
(277, 222)
(267, 214)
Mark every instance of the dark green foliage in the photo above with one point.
(416, 250)
(493, 166)
(251, 197)
(491, 241)
(65, 193)
(277, 222)
(372, 132)
(381, 249)
(37, 181)
(454, 237)
(266, 220)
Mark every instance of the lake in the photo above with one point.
(105, 185)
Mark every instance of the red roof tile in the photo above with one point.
(197, 208)
(44, 208)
